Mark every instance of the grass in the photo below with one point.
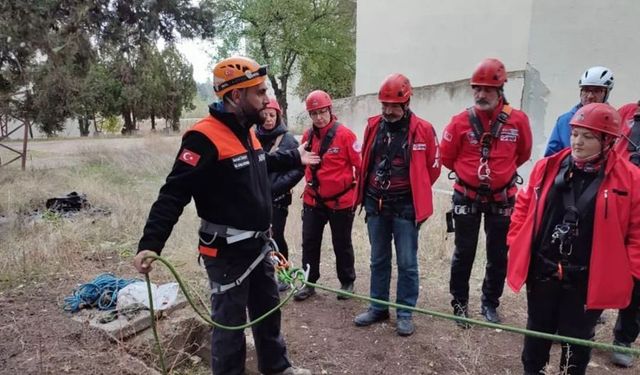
(126, 183)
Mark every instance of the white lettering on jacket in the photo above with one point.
(240, 161)
(419, 147)
(509, 135)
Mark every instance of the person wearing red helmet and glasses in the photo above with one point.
(483, 145)
(328, 194)
(222, 166)
(274, 136)
(400, 163)
(575, 238)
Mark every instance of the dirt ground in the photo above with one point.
(37, 337)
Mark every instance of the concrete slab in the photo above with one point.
(124, 325)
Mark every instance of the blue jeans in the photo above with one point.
(397, 224)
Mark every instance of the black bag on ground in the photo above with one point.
(69, 203)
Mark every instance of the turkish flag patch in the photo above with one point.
(189, 157)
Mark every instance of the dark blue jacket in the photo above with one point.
(559, 137)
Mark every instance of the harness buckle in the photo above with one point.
(462, 209)
(484, 172)
(503, 211)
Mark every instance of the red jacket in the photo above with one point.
(338, 168)
(626, 112)
(424, 163)
(461, 151)
(615, 255)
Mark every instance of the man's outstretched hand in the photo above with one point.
(308, 157)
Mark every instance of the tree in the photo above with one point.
(314, 39)
(48, 47)
(179, 86)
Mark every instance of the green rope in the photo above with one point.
(522, 331)
(153, 325)
(296, 277)
(206, 317)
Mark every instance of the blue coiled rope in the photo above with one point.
(101, 292)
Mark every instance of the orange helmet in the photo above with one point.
(599, 117)
(273, 104)
(236, 73)
(396, 88)
(318, 99)
(490, 72)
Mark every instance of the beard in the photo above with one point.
(250, 113)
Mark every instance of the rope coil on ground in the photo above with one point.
(101, 292)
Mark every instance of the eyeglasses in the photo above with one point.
(592, 90)
(318, 112)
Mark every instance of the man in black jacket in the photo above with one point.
(222, 166)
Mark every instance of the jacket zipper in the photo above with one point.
(536, 193)
(606, 202)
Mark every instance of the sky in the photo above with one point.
(198, 53)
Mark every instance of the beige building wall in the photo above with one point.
(566, 38)
(433, 41)
(545, 45)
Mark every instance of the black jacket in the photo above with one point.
(281, 181)
(230, 192)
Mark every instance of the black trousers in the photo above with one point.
(278, 223)
(558, 307)
(258, 293)
(628, 322)
(314, 220)
(467, 228)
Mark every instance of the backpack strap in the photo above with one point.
(276, 143)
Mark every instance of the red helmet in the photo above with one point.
(396, 88)
(599, 117)
(273, 104)
(318, 99)
(490, 72)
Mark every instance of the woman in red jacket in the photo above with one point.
(575, 238)
(329, 193)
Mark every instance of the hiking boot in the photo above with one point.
(621, 359)
(283, 287)
(304, 293)
(461, 310)
(404, 326)
(347, 288)
(490, 314)
(294, 371)
(371, 316)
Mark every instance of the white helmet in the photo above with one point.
(598, 76)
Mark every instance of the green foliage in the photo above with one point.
(314, 39)
(52, 217)
(179, 88)
(111, 125)
(82, 58)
